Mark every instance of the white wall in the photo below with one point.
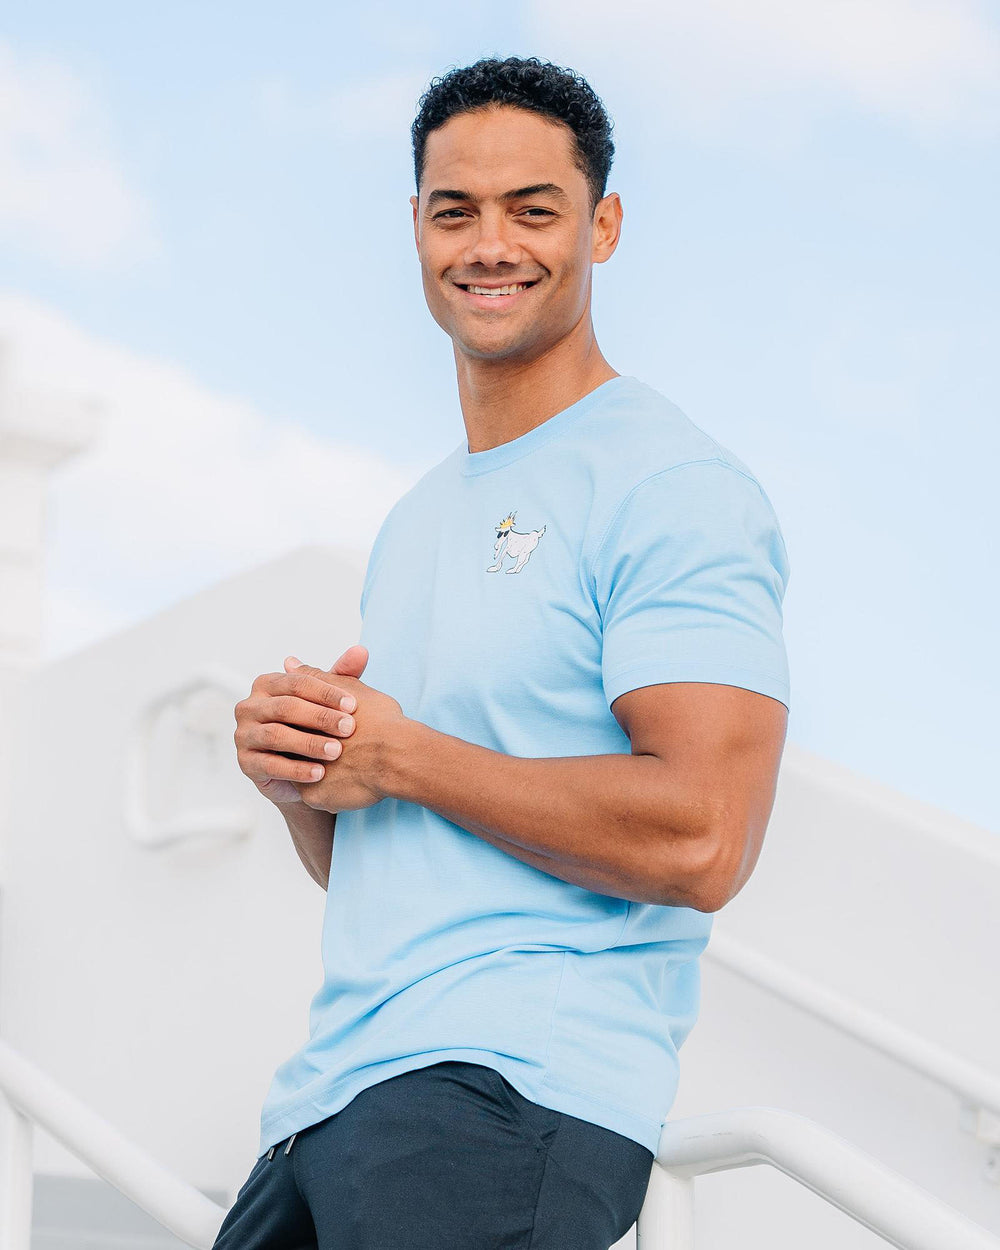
(163, 986)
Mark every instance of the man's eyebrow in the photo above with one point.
(538, 188)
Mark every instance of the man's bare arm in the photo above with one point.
(312, 833)
(679, 822)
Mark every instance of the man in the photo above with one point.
(562, 758)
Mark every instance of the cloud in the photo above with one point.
(182, 486)
(933, 66)
(375, 107)
(63, 190)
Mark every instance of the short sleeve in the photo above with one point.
(689, 579)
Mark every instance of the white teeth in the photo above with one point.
(503, 290)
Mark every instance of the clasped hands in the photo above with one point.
(290, 724)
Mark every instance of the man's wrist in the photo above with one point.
(398, 767)
(312, 831)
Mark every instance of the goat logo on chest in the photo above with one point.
(511, 542)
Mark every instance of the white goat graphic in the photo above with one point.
(518, 546)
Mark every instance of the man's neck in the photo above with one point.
(500, 403)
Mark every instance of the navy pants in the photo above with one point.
(446, 1157)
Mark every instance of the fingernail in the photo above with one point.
(348, 703)
(332, 748)
(294, 661)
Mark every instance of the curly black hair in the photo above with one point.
(528, 83)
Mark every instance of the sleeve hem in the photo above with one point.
(656, 672)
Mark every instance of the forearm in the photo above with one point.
(312, 833)
(613, 824)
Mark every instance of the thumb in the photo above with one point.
(353, 662)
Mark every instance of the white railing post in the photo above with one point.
(17, 1178)
(175, 1204)
(666, 1221)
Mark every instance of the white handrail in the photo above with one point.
(893, 1207)
(974, 1084)
(175, 1204)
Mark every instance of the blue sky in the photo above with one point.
(204, 220)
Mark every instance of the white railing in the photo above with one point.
(899, 1211)
(35, 1098)
(978, 1090)
(882, 1200)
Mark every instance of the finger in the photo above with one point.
(259, 765)
(347, 701)
(289, 741)
(312, 685)
(285, 709)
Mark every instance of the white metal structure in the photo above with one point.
(881, 1199)
(900, 1212)
(978, 1090)
(33, 1098)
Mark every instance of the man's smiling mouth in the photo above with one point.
(498, 290)
(501, 295)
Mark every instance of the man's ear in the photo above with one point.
(608, 216)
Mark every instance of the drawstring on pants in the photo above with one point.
(270, 1153)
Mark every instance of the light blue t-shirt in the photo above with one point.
(511, 595)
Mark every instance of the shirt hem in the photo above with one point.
(330, 1098)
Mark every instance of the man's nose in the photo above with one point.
(492, 243)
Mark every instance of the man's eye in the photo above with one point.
(546, 212)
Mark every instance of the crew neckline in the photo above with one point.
(471, 463)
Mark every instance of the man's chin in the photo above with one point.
(490, 347)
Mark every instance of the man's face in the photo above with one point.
(479, 234)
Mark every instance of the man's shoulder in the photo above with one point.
(646, 433)
(651, 469)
